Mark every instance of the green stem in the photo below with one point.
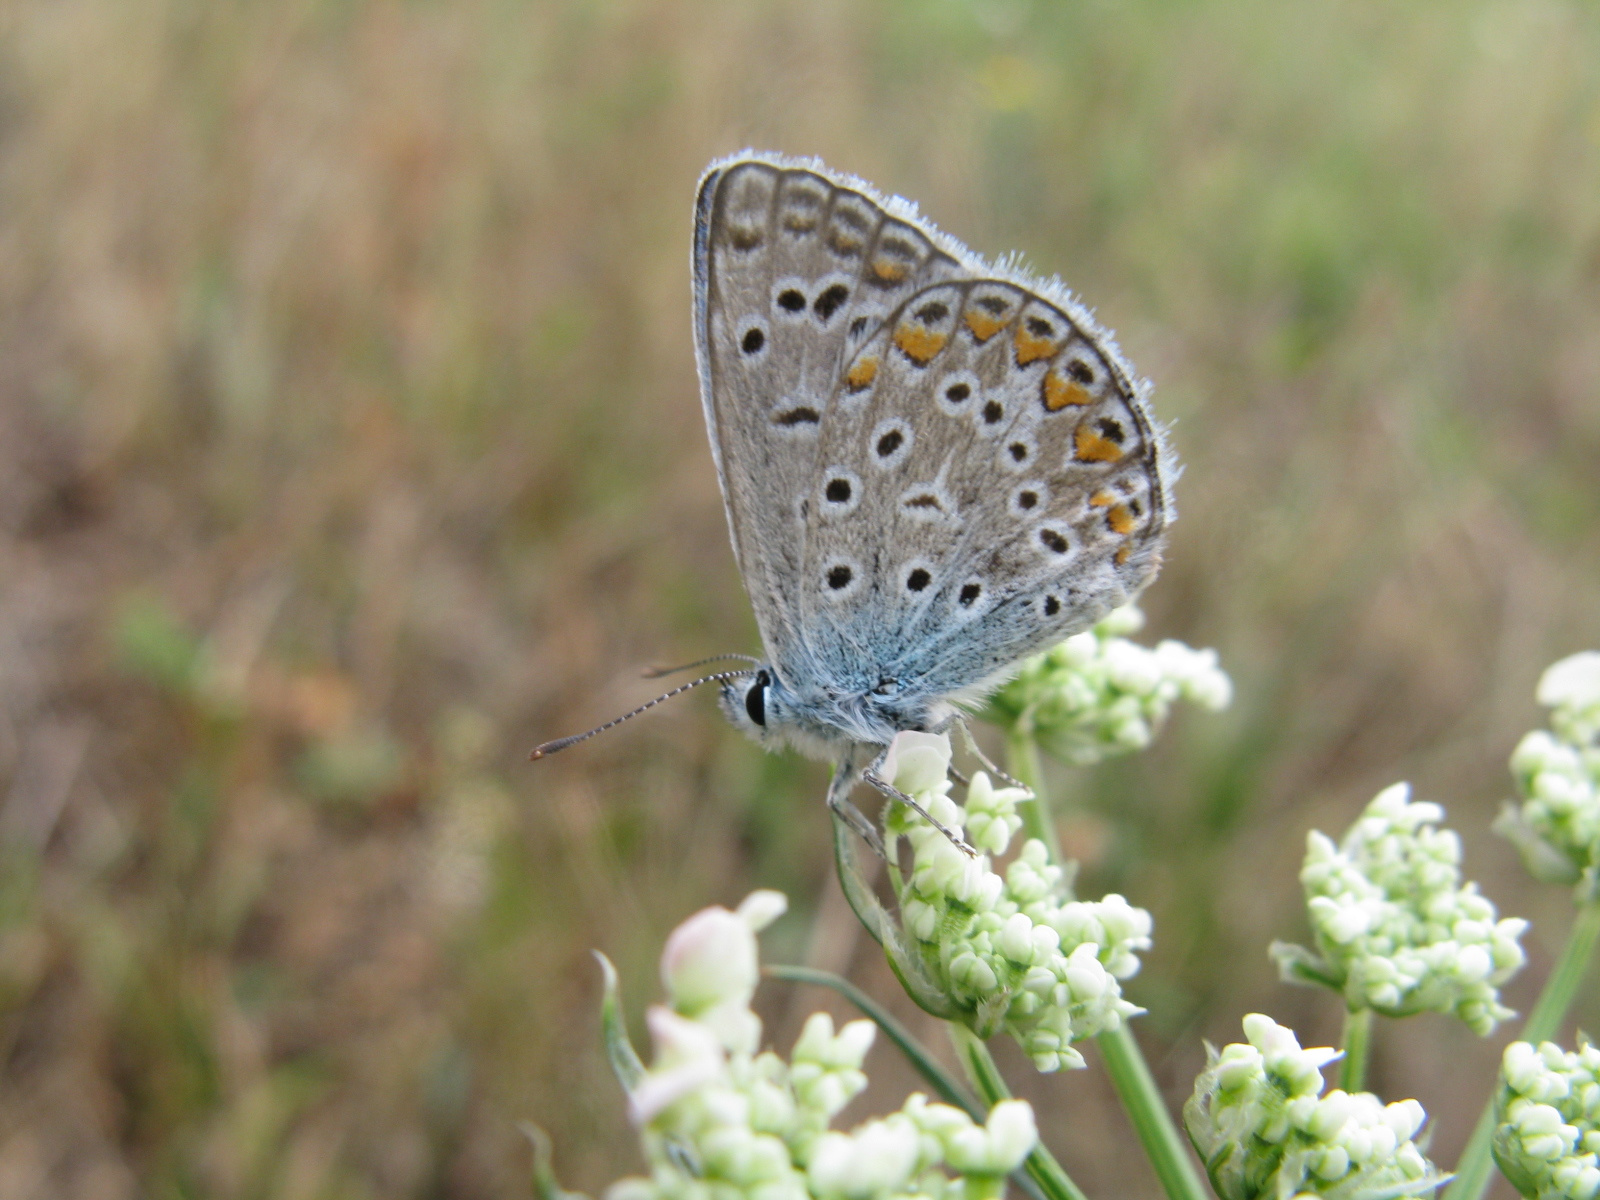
(1357, 1046)
(1022, 758)
(1544, 1022)
(1041, 1165)
(1137, 1090)
(1168, 1152)
(1472, 1173)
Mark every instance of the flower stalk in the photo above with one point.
(1041, 1166)
(1125, 1065)
(1357, 1049)
(1544, 1022)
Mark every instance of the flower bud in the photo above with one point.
(709, 959)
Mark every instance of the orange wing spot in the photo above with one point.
(1102, 499)
(983, 325)
(1121, 556)
(1091, 447)
(888, 270)
(1031, 348)
(1119, 519)
(918, 344)
(861, 375)
(1059, 392)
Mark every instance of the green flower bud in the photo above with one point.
(1557, 773)
(1096, 694)
(1396, 931)
(1261, 1124)
(1548, 1121)
(722, 1122)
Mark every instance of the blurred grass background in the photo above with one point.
(349, 446)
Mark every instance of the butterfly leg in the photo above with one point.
(977, 752)
(888, 789)
(845, 776)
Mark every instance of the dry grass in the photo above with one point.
(349, 446)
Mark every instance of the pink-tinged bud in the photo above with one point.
(709, 960)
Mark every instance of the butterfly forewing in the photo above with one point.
(793, 273)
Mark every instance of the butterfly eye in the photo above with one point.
(755, 700)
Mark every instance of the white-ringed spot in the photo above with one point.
(889, 443)
(841, 492)
(1029, 500)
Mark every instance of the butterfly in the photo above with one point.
(933, 466)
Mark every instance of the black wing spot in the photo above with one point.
(1080, 371)
(1018, 451)
(1051, 606)
(1027, 499)
(838, 491)
(804, 415)
(993, 305)
(889, 443)
(1133, 506)
(1053, 541)
(931, 312)
(829, 301)
(1111, 430)
(745, 239)
(857, 326)
(753, 340)
(969, 593)
(956, 393)
(992, 412)
(791, 301)
(918, 579)
(926, 500)
(1039, 327)
(840, 577)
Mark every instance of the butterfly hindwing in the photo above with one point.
(1009, 492)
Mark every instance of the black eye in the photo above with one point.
(755, 700)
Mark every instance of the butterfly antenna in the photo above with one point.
(549, 748)
(658, 672)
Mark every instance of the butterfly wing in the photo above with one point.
(990, 482)
(932, 467)
(794, 270)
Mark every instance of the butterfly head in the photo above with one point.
(758, 704)
(749, 703)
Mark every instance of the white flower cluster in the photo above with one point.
(1557, 771)
(1547, 1140)
(1262, 1126)
(1396, 930)
(723, 1121)
(1010, 952)
(1097, 694)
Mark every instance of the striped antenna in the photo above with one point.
(549, 748)
(658, 672)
